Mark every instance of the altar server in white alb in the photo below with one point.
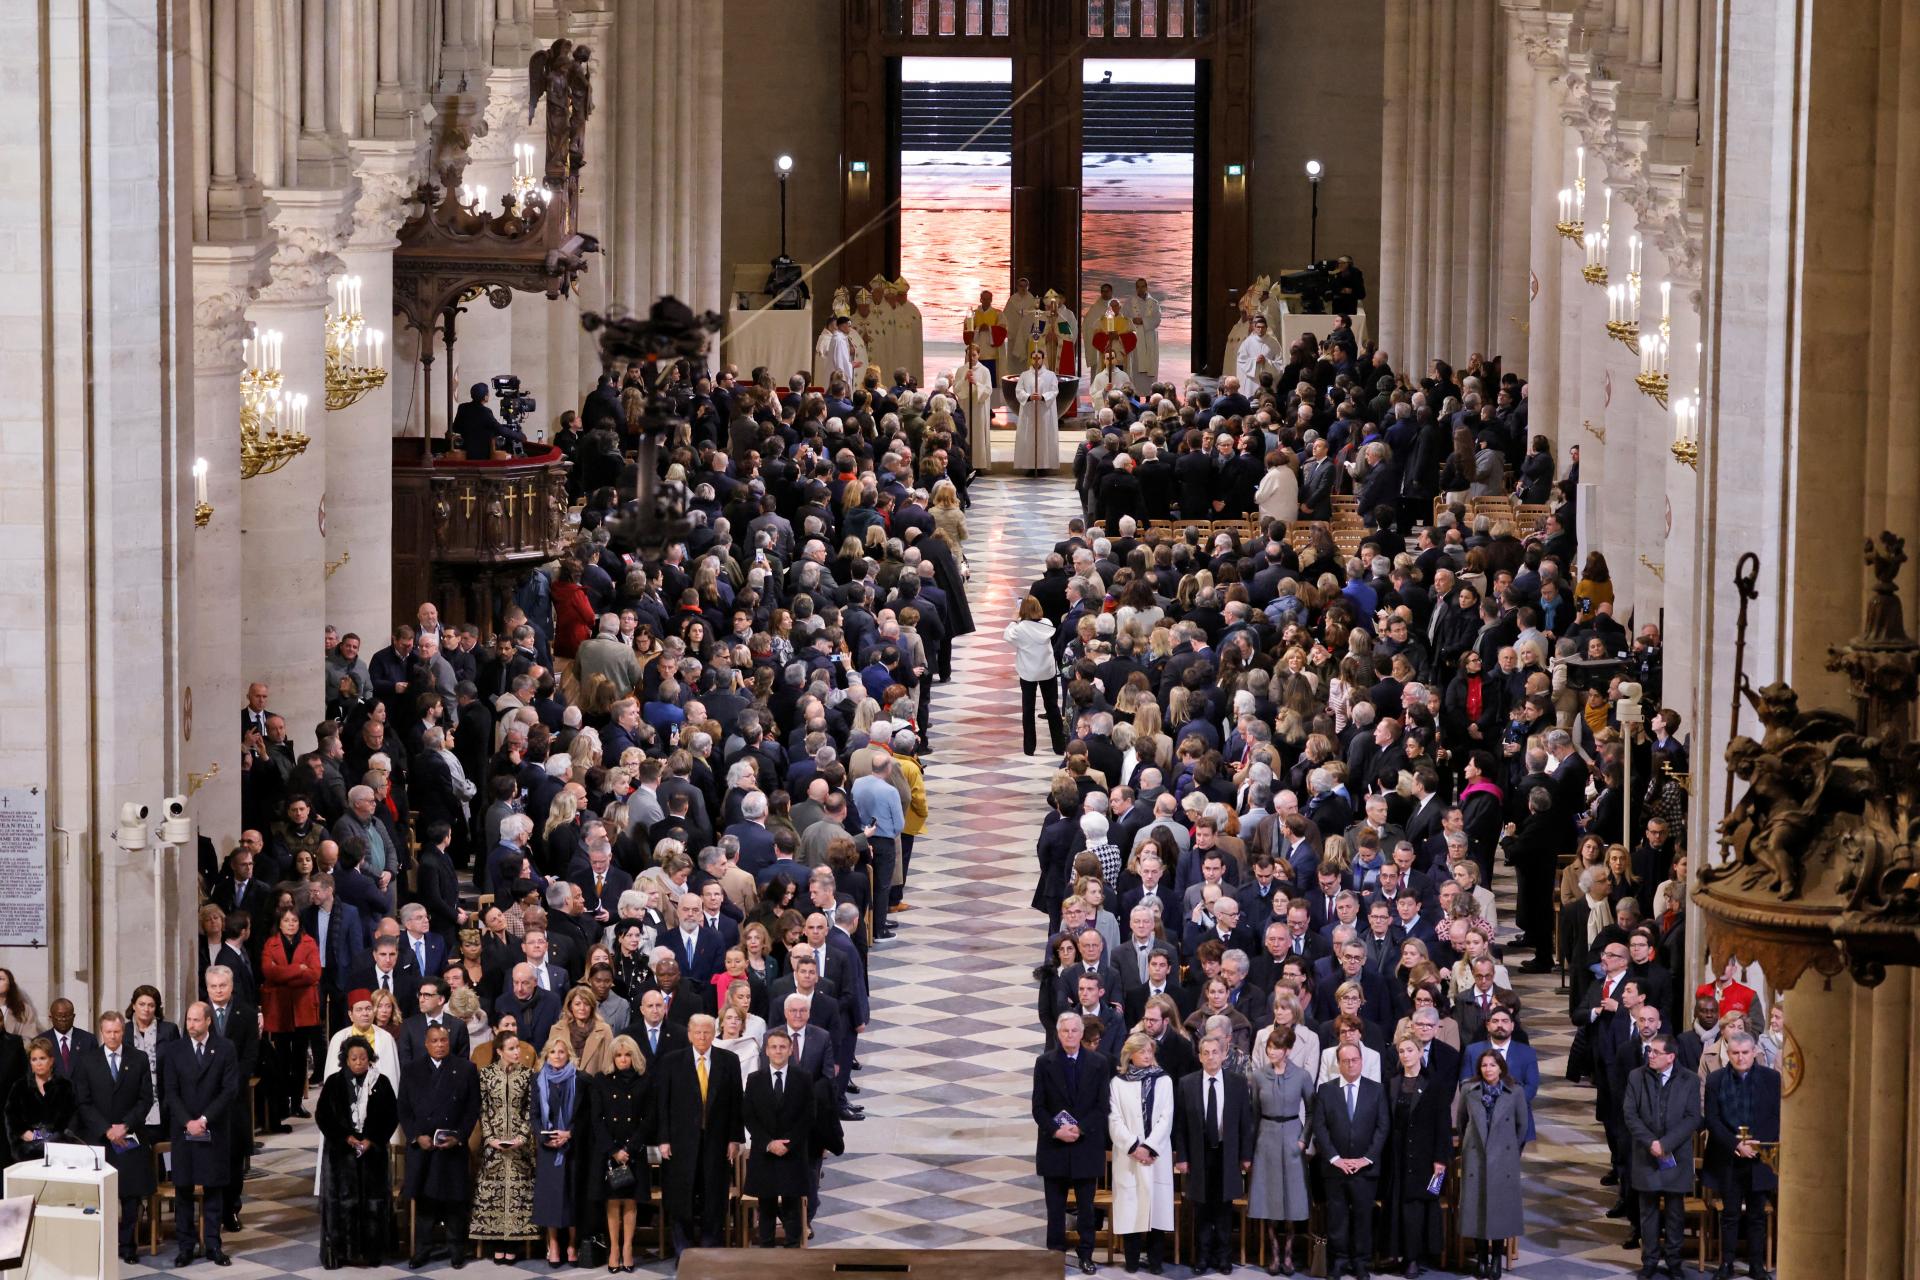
(1258, 354)
(1143, 311)
(1036, 448)
(1110, 378)
(972, 388)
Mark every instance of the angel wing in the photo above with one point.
(536, 81)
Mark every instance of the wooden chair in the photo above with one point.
(162, 1193)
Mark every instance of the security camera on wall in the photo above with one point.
(132, 832)
(175, 826)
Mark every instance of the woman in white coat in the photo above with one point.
(1140, 1122)
(1031, 636)
(1279, 493)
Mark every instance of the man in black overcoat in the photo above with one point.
(777, 1108)
(200, 1075)
(439, 1105)
(112, 1093)
(699, 1134)
(1213, 1128)
(238, 1023)
(1070, 1087)
(1350, 1122)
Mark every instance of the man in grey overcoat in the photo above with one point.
(1662, 1115)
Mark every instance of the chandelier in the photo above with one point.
(354, 352)
(272, 422)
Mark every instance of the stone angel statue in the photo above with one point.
(549, 76)
(580, 104)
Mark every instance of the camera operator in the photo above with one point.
(1349, 287)
(478, 429)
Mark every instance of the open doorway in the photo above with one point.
(956, 193)
(1137, 209)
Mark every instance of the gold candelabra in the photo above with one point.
(272, 422)
(1686, 431)
(1572, 222)
(202, 509)
(355, 363)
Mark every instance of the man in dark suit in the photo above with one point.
(1349, 1133)
(240, 890)
(653, 1031)
(812, 1047)
(534, 1011)
(1744, 1098)
(1070, 1087)
(436, 885)
(439, 1105)
(342, 935)
(602, 883)
(699, 1130)
(423, 950)
(112, 1093)
(1213, 1130)
(695, 945)
(383, 972)
(412, 1040)
(238, 1023)
(69, 1041)
(777, 1109)
(200, 1078)
(1662, 1114)
(1130, 961)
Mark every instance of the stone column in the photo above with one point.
(283, 514)
(1550, 173)
(485, 335)
(359, 537)
(225, 279)
(595, 28)
(1518, 209)
(1397, 203)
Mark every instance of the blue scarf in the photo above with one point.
(1489, 1094)
(556, 1104)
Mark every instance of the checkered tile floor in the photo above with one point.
(945, 1157)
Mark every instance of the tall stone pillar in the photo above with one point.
(1521, 28)
(595, 28)
(485, 348)
(359, 536)
(284, 514)
(1550, 173)
(225, 279)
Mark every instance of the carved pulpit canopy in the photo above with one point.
(1820, 857)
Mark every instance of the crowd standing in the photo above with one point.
(1318, 658)
(575, 900)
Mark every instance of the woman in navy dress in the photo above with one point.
(556, 1101)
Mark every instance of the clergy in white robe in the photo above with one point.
(908, 331)
(972, 389)
(1091, 321)
(1018, 316)
(870, 322)
(1110, 378)
(1037, 442)
(1257, 353)
(839, 350)
(1143, 312)
(987, 330)
(1238, 334)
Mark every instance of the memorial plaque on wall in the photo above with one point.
(23, 867)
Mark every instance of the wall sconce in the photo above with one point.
(202, 509)
(1236, 171)
(1686, 432)
(857, 166)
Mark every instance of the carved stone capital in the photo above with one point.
(226, 280)
(388, 173)
(311, 227)
(504, 120)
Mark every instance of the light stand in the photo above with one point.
(1314, 171)
(783, 166)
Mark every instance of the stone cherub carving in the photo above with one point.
(562, 74)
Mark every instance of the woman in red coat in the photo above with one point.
(573, 616)
(290, 1010)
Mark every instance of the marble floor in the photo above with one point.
(944, 1158)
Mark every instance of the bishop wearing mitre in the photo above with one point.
(908, 331)
(1018, 315)
(871, 323)
(972, 384)
(1036, 445)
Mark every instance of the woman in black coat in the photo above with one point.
(1419, 1144)
(1473, 699)
(622, 1119)
(1536, 473)
(41, 1108)
(357, 1114)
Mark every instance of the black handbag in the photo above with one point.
(620, 1177)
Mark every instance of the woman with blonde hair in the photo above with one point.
(1590, 852)
(948, 518)
(617, 1145)
(1140, 1124)
(1031, 637)
(1289, 1011)
(589, 1038)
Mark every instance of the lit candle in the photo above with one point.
(480, 197)
(1566, 200)
(1580, 163)
(379, 340)
(200, 481)
(1680, 420)
(1606, 205)
(1666, 300)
